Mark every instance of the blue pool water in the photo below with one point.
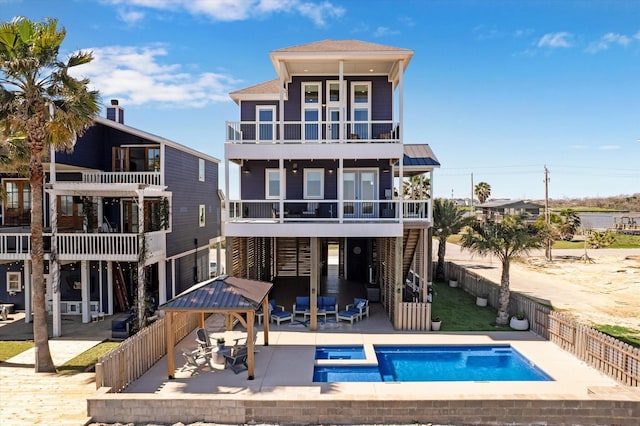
(339, 352)
(437, 363)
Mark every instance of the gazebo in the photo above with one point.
(237, 298)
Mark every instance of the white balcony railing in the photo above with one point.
(276, 211)
(312, 132)
(85, 246)
(148, 178)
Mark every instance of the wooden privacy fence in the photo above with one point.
(414, 316)
(132, 358)
(603, 352)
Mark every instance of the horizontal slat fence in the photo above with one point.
(603, 352)
(133, 357)
(415, 316)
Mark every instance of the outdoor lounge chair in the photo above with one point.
(301, 306)
(195, 360)
(237, 359)
(328, 305)
(203, 340)
(350, 315)
(277, 313)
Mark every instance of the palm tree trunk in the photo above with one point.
(503, 299)
(442, 249)
(43, 361)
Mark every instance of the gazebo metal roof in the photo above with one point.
(232, 296)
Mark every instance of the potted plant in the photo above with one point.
(220, 342)
(519, 322)
(482, 299)
(435, 323)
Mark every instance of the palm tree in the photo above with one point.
(41, 105)
(416, 187)
(482, 191)
(448, 219)
(570, 225)
(506, 240)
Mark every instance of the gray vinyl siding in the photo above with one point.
(188, 193)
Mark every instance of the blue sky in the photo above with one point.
(499, 89)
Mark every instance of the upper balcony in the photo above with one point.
(305, 132)
(111, 178)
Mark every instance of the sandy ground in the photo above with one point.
(613, 282)
(605, 289)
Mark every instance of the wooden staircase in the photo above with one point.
(120, 288)
(410, 239)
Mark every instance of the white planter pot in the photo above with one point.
(481, 301)
(453, 283)
(517, 324)
(435, 325)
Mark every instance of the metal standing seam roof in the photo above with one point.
(223, 293)
(419, 155)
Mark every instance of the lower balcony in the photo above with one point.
(16, 245)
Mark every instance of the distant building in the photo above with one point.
(497, 209)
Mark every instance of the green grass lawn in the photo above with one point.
(458, 311)
(86, 360)
(627, 335)
(11, 348)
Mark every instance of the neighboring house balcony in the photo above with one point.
(108, 246)
(110, 178)
(305, 132)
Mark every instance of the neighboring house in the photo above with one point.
(320, 154)
(119, 190)
(497, 209)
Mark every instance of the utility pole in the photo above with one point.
(472, 210)
(547, 215)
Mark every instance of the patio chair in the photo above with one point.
(237, 359)
(195, 360)
(362, 305)
(301, 306)
(203, 340)
(277, 313)
(348, 314)
(328, 305)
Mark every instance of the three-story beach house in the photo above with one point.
(125, 203)
(322, 162)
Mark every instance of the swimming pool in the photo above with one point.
(339, 352)
(437, 363)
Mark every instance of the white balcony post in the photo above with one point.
(84, 291)
(162, 282)
(340, 190)
(280, 137)
(110, 288)
(282, 189)
(342, 128)
(27, 291)
(400, 101)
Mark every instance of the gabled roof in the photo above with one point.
(220, 294)
(342, 46)
(154, 138)
(510, 203)
(267, 91)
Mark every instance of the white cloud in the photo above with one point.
(578, 147)
(137, 76)
(637, 35)
(556, 40)
(609, 147)
(130, 17)
(607, 40)
(384, 31)
(239, 10)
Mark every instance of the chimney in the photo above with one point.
(115, 112)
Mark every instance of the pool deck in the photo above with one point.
(284, 371)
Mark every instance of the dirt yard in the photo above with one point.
(611, 285)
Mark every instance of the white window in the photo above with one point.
(311, 107)
(200, 169)
(313, 184)
(272, 184)
(66, 205)
(266, 118)
(360, 109)
(201, 215)
(333, 92)
(14, 281)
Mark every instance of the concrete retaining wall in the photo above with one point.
(235, 409)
